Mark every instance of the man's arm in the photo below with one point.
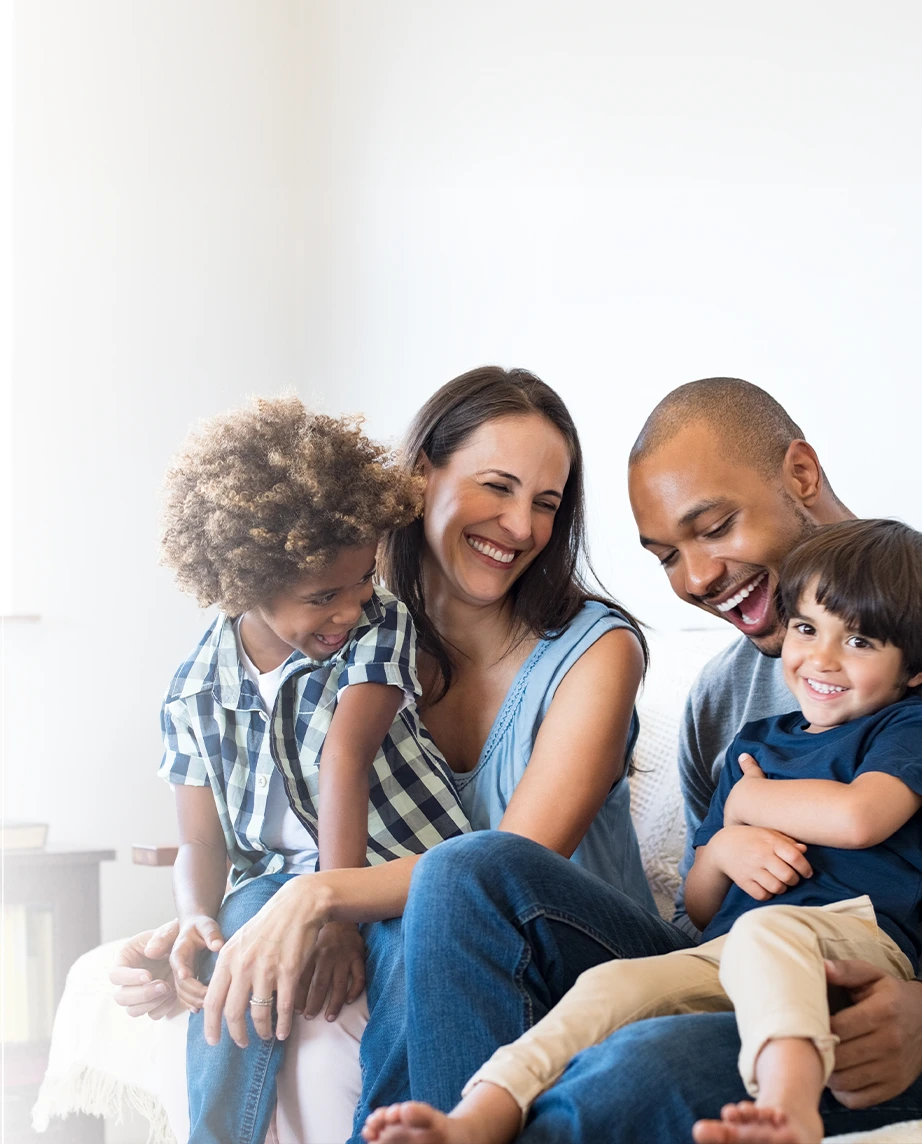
(851, 816)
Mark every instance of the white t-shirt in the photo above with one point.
(282, 830)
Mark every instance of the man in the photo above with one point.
(497, 928)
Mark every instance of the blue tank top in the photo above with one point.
(609, 849)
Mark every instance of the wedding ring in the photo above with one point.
(254, 1000)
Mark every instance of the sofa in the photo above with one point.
(103, 1062)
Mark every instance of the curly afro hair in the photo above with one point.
(263, 495)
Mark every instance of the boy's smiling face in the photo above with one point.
(835, 673)
(317, 614)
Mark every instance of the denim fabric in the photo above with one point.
(496, 930)
(232, 1090)
(648, 1084)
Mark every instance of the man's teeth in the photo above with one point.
(489, 550)
(741, 595)
(824, 688)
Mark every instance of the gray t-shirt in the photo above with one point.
(738, 685)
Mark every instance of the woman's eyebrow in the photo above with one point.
(516, 481)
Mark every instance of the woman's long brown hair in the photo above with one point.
(551, 591)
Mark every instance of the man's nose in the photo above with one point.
(702, 571)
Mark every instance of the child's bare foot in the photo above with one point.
(415, 1123)
(748, 1123)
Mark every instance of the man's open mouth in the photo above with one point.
(749, 607)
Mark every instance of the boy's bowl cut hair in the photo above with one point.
(260, 496)
(869, 574)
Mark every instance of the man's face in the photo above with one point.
(719, 529)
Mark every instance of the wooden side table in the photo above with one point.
(66, 884)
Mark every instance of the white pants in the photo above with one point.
(768, 969)
(318, 1086)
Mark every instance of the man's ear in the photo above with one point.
(802, 473)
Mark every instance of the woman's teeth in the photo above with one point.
(489, 550)
(825, 688)
(741, 595)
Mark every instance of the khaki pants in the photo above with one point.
(768, 968)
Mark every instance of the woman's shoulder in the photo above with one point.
(594, 618)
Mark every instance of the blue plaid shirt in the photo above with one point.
(216, 733)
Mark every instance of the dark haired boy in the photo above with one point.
(843, 777)
(275, 514)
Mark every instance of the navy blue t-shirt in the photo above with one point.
(890, 873)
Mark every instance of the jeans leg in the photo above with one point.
(648, 1083)
(232, 1090)
(383, 1053)
(496, 930)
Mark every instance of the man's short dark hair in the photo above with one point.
(869, 574)
(752, 425)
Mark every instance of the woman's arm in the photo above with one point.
(363, 717)
(579, 752)
(851, 816)
(271, 951)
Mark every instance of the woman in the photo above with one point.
(530, 682)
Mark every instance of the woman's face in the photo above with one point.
(489, 511)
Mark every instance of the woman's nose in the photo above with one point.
(515, 520)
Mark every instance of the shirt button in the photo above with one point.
(262, 780)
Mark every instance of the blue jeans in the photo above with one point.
(496, 930)
(232, 1090)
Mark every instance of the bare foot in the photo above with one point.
(415, 1123)
(747, 1123)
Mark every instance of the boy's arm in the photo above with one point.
(199, 878)
(362, 719)
(822, 812)
(760, 861)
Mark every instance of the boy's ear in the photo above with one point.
(916, 680)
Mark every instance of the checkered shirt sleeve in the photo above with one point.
(413, 803)
(182, 759)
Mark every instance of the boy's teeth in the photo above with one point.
(824, 688)
(489, 550)
(740, 596)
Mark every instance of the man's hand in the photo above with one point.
(747, 788)
(880, 1036)
(760, 861)
(197, 933)
(141, 973)
(336, 970)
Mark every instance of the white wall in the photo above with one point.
(624, 197)
(216, 197)
(157, 204)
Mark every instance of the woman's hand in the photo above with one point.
(268, 955)
(197, 933)
(760, 861)
(335, 970)
(141, 973)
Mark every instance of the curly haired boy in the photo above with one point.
(274, 514)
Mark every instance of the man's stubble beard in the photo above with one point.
(802, 527)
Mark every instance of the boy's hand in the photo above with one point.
(141, 973)
(336, 970)
(760, 861)
(744, 790)
(198, 932)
